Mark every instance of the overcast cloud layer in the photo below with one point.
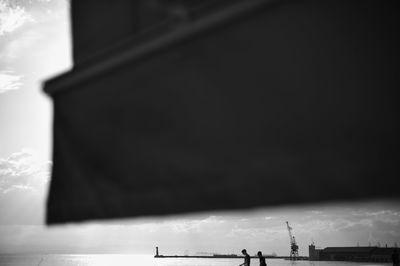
(23, 186)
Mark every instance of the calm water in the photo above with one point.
(146, 260)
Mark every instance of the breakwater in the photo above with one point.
(228, 257)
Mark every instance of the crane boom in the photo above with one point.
(290, 231)
(294, 248)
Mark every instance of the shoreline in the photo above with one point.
(227, 257)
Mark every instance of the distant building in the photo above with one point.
(202, 253)
(362, 254)
(313, 253)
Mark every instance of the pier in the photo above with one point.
(228, 257)
(224, 256)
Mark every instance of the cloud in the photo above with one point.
(9, 81)
(11, 17)
(22, 46)
(181, 226)
(25, 27)
(21, 172)
(217, 233)
(23, 186)
(355, 223)
(315, 212)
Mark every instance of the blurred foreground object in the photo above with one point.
(182, 106)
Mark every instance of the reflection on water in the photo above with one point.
(148, 260)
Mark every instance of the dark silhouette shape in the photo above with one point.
(262, 259)
(164, 102)
(246, 258)
(395, 257)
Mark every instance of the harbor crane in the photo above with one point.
(294, 248)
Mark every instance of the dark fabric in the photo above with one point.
(100, 25)
(294, 103)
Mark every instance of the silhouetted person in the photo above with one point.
(246, 258)
(262, 259)
(395, 257)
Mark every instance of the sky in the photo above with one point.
(35, 45)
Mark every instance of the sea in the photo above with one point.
(149, 260)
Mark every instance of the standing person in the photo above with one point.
(395, 257)
(262, 259)
(246, 258)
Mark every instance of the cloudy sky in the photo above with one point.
(34, 46)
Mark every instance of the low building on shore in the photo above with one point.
(362, 254)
